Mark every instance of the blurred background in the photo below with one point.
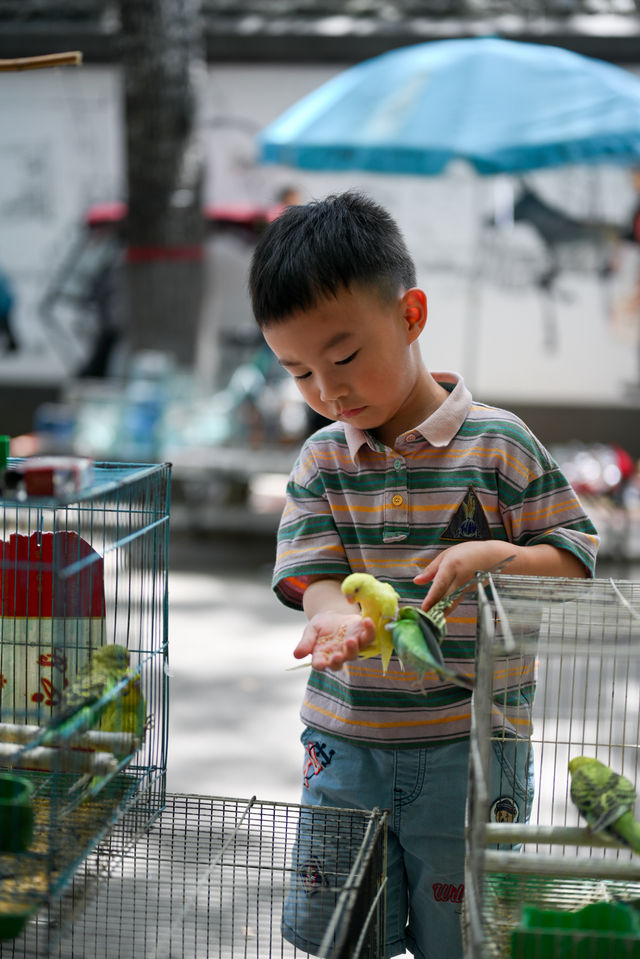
(131, 195)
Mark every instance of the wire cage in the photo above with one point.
(222, 878)
(557, 676)
(80, 573)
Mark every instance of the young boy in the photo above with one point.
(420, 486)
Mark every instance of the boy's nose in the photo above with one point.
(331, 390)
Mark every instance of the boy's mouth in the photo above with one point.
(349, 414)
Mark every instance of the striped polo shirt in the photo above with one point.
(468, 472)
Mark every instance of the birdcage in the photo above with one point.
(224, 878)
(81, 569)
(557, 676)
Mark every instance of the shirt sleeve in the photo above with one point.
(308, 542)
(546, 509)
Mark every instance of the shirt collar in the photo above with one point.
(438, 429)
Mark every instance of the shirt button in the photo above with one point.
(398, 464)
(410, 437)
(397, 500)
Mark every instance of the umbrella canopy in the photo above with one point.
(501, 105)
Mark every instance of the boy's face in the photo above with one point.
(352, 359)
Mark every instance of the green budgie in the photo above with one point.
(379, 602)
(125, 713)
(78, 711)
(606, 800)
(418, 649)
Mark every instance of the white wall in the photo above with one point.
(61, 150)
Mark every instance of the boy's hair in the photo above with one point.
(314, 251)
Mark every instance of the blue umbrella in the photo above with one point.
(501, 105)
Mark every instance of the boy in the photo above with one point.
(418, 485)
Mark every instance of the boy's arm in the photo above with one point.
(334, 633)
(457, 564)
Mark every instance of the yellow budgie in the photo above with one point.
(379, 602)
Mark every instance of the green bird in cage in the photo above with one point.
(606, 800)
(81, 707)
(125, 713)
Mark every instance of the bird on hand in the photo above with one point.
(379, 602)
(415, 635)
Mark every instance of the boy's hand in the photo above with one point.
(457, 564)
(332, 638)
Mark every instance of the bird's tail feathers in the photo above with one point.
(627, 828)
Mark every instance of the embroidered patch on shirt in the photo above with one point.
(469, 521)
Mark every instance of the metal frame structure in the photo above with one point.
(558, 671)
(209, 880)
(80, 569)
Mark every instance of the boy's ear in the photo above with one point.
(414, 307)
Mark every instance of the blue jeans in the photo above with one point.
(425, 791)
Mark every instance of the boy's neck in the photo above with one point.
(426, 397)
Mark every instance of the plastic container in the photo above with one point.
(602, 930)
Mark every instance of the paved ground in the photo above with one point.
(234, 723)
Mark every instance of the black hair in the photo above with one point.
(312, 252)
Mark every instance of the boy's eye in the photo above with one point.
(347, 359)
(302, 376)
